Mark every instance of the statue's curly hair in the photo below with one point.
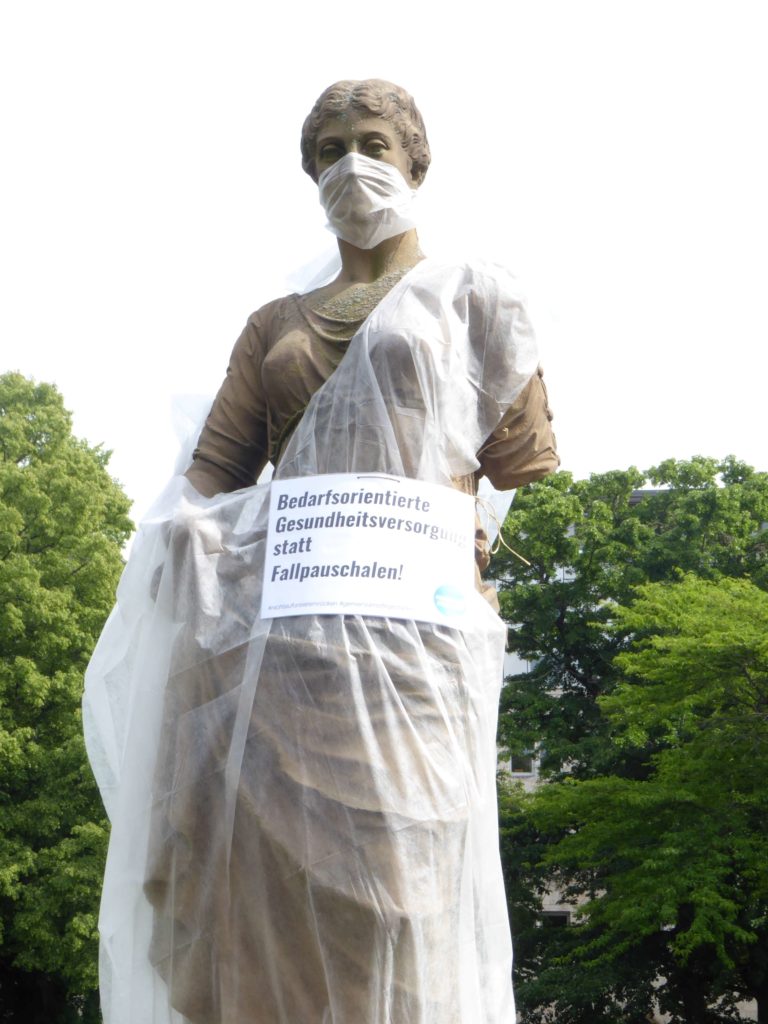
(376, 97)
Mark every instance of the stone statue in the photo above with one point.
(304, 817)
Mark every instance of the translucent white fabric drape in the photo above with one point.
(303, 810)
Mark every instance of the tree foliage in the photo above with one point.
(590, 542)
(63, 522)
(644, 622)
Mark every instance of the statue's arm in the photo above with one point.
(232, 448)
(522, 448)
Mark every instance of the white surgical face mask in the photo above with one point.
(365, 200)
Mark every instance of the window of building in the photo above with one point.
(555, 918)
(521, 764)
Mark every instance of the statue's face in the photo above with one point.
(355, 131)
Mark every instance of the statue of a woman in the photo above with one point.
(303, 808)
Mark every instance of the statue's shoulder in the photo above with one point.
(272, 316)
(475, 275)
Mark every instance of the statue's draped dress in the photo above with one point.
(303, 809)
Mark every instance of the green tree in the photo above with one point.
(681, 855)
(591, 544)
(63, 522)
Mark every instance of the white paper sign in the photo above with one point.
(351, 543)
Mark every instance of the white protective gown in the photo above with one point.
(304, 824)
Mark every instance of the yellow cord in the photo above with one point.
(499, 542)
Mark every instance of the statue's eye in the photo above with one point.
(331, 151)
(375, 148)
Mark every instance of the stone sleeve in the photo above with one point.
(522, 448)
(232, 449)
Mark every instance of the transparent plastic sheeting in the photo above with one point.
(303, 810)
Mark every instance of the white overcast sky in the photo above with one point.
(613, 153)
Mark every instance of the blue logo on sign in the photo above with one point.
(450, 600)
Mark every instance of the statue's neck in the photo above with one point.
(362, 266)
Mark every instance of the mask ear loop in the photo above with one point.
(499, 542)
